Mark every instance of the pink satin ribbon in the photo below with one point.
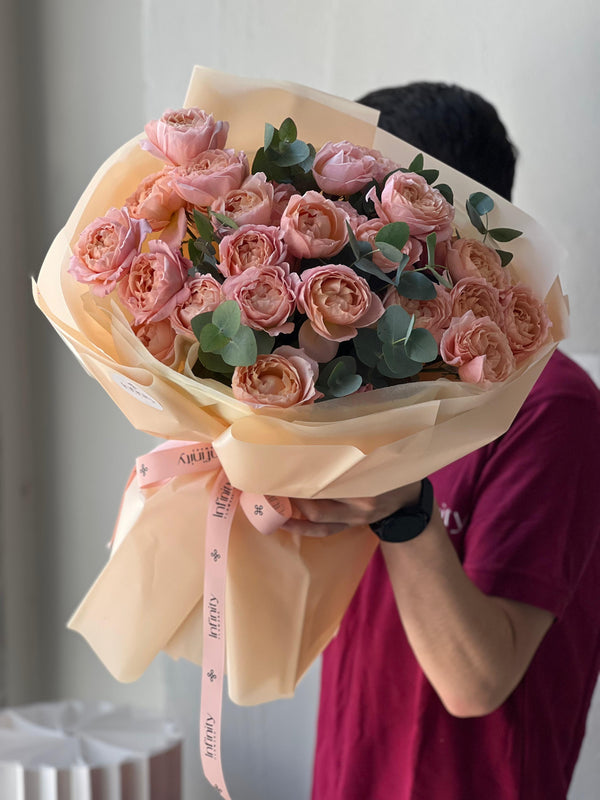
(266, 513)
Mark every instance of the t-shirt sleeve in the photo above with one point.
(535, 519)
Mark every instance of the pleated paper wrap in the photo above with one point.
(285, 595)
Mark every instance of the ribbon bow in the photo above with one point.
(267, 513)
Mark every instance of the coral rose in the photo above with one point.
(526, 321)
(181, 136)
(479, 348)
(314, 227)
(155, 284)
(478, 296)
(407, 197)
(106, 248)
(251, 204)
(159, 339)
(337, 301)
(367, 231)
(469, 258)
(251, 246)
(266, 296)
(213, 174)
(283, 379)
(155, 199)
(281, 197)
(205, 295)
(344, 168)
(434, 315)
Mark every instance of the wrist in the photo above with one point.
(411, 519)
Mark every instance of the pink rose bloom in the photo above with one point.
(434, 315)
(251, 204)
(181, 136)
(383, 166)
(159, 339)
(155, 200)
(314, 227)
(479, 348)
(337, 301)
(266, 296)
(407, 197)
(469, 258)
(155, 284)
(212, 175)
(526, 321)
(283, 379)
(106, 248)
(344, 168)
(251, 246)
(367, 231)
(354, 218)
(478, 296)
(281, 197)
(320, 349)
(205, 295)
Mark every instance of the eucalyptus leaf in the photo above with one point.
(352, 241)
(505, 257)
(416, 286)
(269, 131)
(241, 350)
(224, 219)
(430, 175)
(306, 165)
(421, 346)
(394, 323)
(199, 321)
(365, 265)
(264, 342)
(390, 252)
(410, 327)
(291, 154)
(481, 202)
(394, 233)
(504, 234)
(474, 217)
(260, 162)
(288, 131)
(446, 192)
(417, 164)
(431, 241)
(364, 248)
(402, 264)
(211, 339)
(396, 364)
(203, 226)
(340, 377)
(214, 363)
(367, 346)
(227, 318)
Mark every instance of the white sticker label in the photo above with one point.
(135, 390)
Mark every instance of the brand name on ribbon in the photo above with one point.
(223, 502)
(214, 617)
(202, 455)
(210, 737)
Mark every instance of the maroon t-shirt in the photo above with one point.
(523, 515)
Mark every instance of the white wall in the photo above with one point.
(107, 67)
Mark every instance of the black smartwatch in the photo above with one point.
(408, 522)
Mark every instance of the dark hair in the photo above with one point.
(453, 125)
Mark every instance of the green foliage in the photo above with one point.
(393, 325)
(227, 317)
(504, 234)
(430, 175)
(421, 346)
(367, 346)
(505, 257)
(220, 333)
(223, 219)
(391, 238)
(481, 202)
(416, 286)
(284, 157)
(339, 378)
(417, 164)
(446, 192)
(203, 226)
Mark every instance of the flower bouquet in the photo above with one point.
(318, 309)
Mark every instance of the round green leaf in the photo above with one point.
(396, 364)
(367, 346)
(214, 363)
(416, 286)
(446, 192)
(475, 218)
(211, 339)
(288, 131)
(395, 234)
(421, 346)
(227, 317)
(264, 342)
(504, 234)
(203, 226)
(199, 321)
(393, 325)
(481, 202)
(269, 131)
(241, 350)
(294, 153)
(416, 165)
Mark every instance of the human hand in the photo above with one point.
(320, 518)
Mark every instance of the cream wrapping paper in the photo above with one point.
(285, 596)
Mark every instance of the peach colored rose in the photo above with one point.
(526, 321)
(383, 166)
(266, 296)
(434, 315)
(337, 301)
(313, 227)
(251, 246)
(106, 248)
(281, 197)
(155, 284)
(407, 197)
(251, 204)
(478, 296)
(213, 174)
(181, 136)
(479, 348)
(320, 349)
(367, 231)
(469, 258)
(343, 167)
(354, 218)
(155, 200)
(159, 339)
(205, 295)
(283, 379)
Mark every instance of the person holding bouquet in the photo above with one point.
(465, 665)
